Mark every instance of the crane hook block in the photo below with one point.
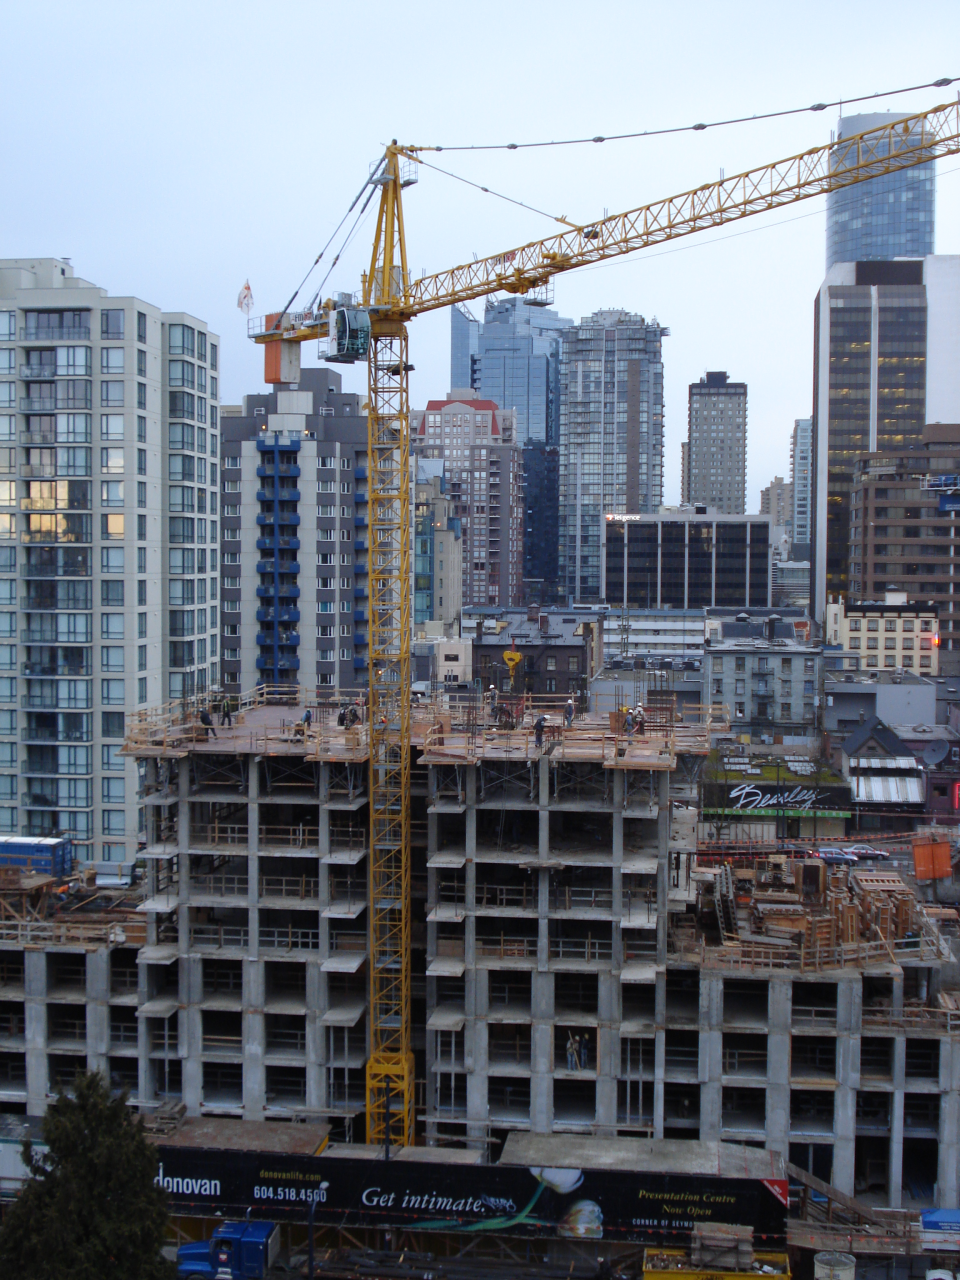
(348, 335)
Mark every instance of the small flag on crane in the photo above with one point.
(245, 299)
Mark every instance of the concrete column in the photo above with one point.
(254, 1040)
(658, 1071)
(663, 862)
(543, 1012)
(778, 1065)
(98, 1010)
(949, 1141)
(896, 1148)
(711, 1057)
(35, 1030)
(191, 1031)
(253, 859)
(316, 1037)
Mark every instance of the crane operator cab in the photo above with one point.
(348, 335)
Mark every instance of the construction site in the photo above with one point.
(483, 939)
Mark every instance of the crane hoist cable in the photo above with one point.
(695, 128)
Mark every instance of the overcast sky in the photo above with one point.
(174, 150)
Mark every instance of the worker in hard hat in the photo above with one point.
(492, 699)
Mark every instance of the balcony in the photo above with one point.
(266, 445)
(288, 614)
(276, 543)
(278, 495)
(288, 938)
(359, 522)
(284, 517)
(281, 664)
(281, 589)
(57, 668)
(359, 473)
(219, 936)
(282, 469)
(283, 637)
(38, 404)
(37, 372)
(278, 566)
(65, 333)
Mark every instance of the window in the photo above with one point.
(142, 583)
(111, 324)
(740, 710)
(8, 326)
(181, 653)
(141, 625)
(111, 360)
(111, 724)
(111, 528)
(111, 493)
(740, 664)
(111, 426)
(111, 393)
(111, 594)
(182, 404)
(551, 684)
(890, 624)
(111, 760)
(180, 497)
(181, 467)
(111, 559)
(213, 355)
(926, 624)
(141, 428)
(111, 657)
(201, 345)
(181, 340)
(181, 435)
(113, 822)
(181, 562)
(111, 693)
(113, 791)
(854, 624)
(111, 626)
(873, 624)
(111, 460)
(180, 373)
(141, 462)
(141, 327)
(573, 664)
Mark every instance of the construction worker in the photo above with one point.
(629, 724)
(207, 721)
(538, 728)
(568, 712)
(492, 698)
(225, 717)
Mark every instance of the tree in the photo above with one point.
(91, 1210)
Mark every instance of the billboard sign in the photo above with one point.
(647, 1208)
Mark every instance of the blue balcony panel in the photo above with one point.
(281, 518)
(283, 614)
(266, 444)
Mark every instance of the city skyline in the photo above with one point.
(707, 286)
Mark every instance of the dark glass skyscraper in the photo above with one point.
(888, 217)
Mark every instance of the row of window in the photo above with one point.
(890, 624)
(890, 642)
(69, 759)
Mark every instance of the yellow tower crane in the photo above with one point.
(375, 329)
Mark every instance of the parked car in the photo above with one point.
(866, 852)
(836, 856)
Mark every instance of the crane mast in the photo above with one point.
(377, 330)
(389, 1079)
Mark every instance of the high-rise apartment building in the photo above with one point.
(884, 365)
(776, 501)
(477, 440)
(108, 543)
(437, 551)
(884, 218)
(800, 453)
(611, 437)
(295, 537)
(715, 460)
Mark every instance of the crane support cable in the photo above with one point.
(554, 217)
(902, 144)
(695, 128)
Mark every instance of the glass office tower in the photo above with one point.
(888, 217)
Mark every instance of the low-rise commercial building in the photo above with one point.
(560, 649)
(889, 635)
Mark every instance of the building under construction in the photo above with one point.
(577, 967)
